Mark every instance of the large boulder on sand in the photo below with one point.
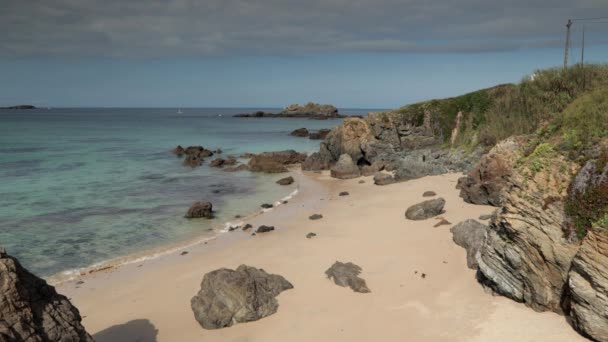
(470, 235)
(426, 209)
(347, 274)
(588, 285)
(31, 310)
(275, 162)
(285, 181)
(345, 168)
(229, 296)
(383, 179)
(200, 209)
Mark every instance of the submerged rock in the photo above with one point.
(229, 296)
(345, 168)
(285, 181)
(426, 209)
(347, 274)
(31, 310)
(300, 132)
(470, 235)
(319, 135)
(200, 209)
(240, 167)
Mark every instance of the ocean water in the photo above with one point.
(80, 186)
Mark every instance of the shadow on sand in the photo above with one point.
(138, 330)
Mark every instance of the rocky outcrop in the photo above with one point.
(483, 185)
(425, 210)
(347, 274)
(31, 310)
(320, 134)
(200, 210)
(345, 168)
(275, 162)
(194, 155)
(300, 132)
(240, 167)
(309, 110)
(21, 107)
(229, 296)
(470, 235)
(588, 287)
(285, 181)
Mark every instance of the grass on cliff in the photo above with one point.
(493, 114)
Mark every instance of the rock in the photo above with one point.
(247, 155)
(588, 287)
(426, 209)
(230, 161)
(217, 162)
(315, 217)
(317, 162)
(200, 209)
(300, 132)
(19, 107)
(311, 109)
(345, 168)
(484, 183)
(470, 235)
(362, 182)
(192, 161)
(347, 274)
(485, 217)
(31, 310)
(429, 194)
(343, 193)
(267, 206)
(310, 235)
(183, 253)
(319, 135)
(229, 296)
(178, 151)
(442, 222)
(285, 181)
(383, 179)
(240, 167)
(264, 229)
(274, 162)
(247, 226)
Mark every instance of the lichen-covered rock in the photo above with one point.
(470, 235)
(229, 296)
(347, 274)
(483, 185)
(588, 285)
(200, 209)
(426, 209)
(31, 310)
(345, 168)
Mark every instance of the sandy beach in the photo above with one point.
(150, 300)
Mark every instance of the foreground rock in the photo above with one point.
(347, 274)
(285, 181)
(200, 210)
(383, 179)
(31, 310)
(588, 280)
(470, 235)
(275, 162)
(345, 168)
(426, 209)
(229, 296)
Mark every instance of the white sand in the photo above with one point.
(152, 302)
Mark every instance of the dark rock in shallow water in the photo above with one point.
(267, 206)
(264, 229)
(192, 161)
(315, 217)
(319, 135)
(20, 107)
(31, 310)
(229, 296)
(383, 179)
(200, 209)
(285, 181)
(247, 226)
(300, 132)
(471, 236)
(240, 167)
(426, 209)
(345, 168)
(217, 162)
(347, 274)
(429, 194)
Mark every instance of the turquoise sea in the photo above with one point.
(80, 186)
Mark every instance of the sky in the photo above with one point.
(271, 53)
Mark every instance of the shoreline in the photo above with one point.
(150, 302)
(220, 229)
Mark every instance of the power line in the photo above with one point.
(589, 19)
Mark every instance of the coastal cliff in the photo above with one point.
(310, 111)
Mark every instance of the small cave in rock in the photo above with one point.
(363, 162)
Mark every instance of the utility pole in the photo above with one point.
(567, 43)
(583, 48)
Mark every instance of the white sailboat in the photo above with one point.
(179, 111)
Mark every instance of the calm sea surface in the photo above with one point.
(80, 186)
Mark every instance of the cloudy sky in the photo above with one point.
(361, 53)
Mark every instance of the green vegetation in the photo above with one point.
(493, 114)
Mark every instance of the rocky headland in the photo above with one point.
(310, 111)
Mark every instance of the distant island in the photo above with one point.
(19, 107)
(310, 110)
